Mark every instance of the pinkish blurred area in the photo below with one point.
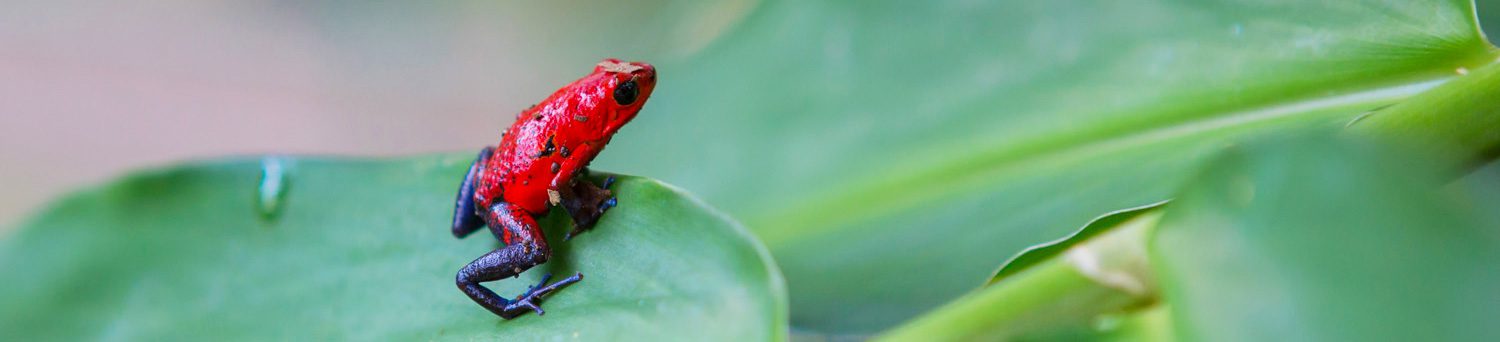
(90, 89)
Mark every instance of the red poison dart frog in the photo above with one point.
(542, 161)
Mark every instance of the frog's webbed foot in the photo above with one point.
(585, 202)
(531, 299)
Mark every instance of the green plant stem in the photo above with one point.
(1063, 294)
(1459, 119)
(1048, 296)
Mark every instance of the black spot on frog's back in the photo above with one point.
(547, 149)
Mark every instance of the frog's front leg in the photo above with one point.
(586, 202)
(525, 247)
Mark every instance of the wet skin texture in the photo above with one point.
(541, 162)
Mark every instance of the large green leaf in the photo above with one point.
(893, 153)
(1453, 121)
(360, 250)
(1313, 240)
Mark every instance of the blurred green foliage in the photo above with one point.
(1291, 231)
(1316, 240)
(892, 155)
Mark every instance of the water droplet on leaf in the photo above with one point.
(271, 193)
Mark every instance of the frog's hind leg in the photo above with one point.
(525, 247)
(465, 216)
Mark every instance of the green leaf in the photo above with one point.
(1317, 240)
(1057, 291)
(1458, 119)
(892, 153)
(1450, 121)
(1049, 297)
(1042, 252)
(361, 250)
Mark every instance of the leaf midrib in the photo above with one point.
(887, 192)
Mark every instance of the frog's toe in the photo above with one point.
(608, 203)
(531, 299)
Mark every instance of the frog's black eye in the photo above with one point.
(625, 93)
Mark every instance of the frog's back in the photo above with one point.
(518, 169)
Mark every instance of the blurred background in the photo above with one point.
(89, 89)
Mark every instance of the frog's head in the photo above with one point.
(627, 85)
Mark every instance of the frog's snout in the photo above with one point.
(644, 73)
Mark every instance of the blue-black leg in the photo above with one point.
(466, 218)
(525, 247)
(530, 299)
(586, 202)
